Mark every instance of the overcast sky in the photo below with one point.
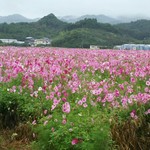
(40, 8)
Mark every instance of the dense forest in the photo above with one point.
(80, 34)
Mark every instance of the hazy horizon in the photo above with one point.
(37, 9)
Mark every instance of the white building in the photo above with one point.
(133, 47)
(94, 47)
(9, 41)
(43, 41)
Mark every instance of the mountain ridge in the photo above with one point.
(16, 18)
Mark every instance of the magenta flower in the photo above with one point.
(121, 86)
(64, 99)
(133, 114)
(75, 141)
(65, 94)
(110, 97)
(132, 80)
(66, 107)
(117, 93)
(84, 99)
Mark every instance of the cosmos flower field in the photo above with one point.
(72, 98)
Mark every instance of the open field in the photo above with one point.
(75, 99)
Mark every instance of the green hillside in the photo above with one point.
(139, 29)
(89, 32)
(49, 26)
(80, 34)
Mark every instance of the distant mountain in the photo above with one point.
(100, 18)
(69, 19)
(16, 18)
(104, 18)
(51, 21)
(128, 19)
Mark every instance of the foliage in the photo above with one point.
(10, 109)
(84, 37)
(58, 130)
(139, 29)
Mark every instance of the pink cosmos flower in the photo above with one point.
(99, 99)
(75, 141)
(55, 101)
(47, 97)
(45, 123)
(117, 93)
(148, 83)
(84, 99)
(80, 102)
(85, 105)
(64, 99)
(58, 94)
(94, 92)
(52, 95)
(34, 122)
(65, 94)
(53, 107)
(66, 107)
(146, 89)
(121, 86)
(56, 89)
(110, 97)
(133, 114)
(124, 101)
(147, 112)
(132, 80)
(45, 112)
(74, 75)
(64, 121)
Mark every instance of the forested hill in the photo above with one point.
(139, 29)
(80, 34)
(49, 26)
